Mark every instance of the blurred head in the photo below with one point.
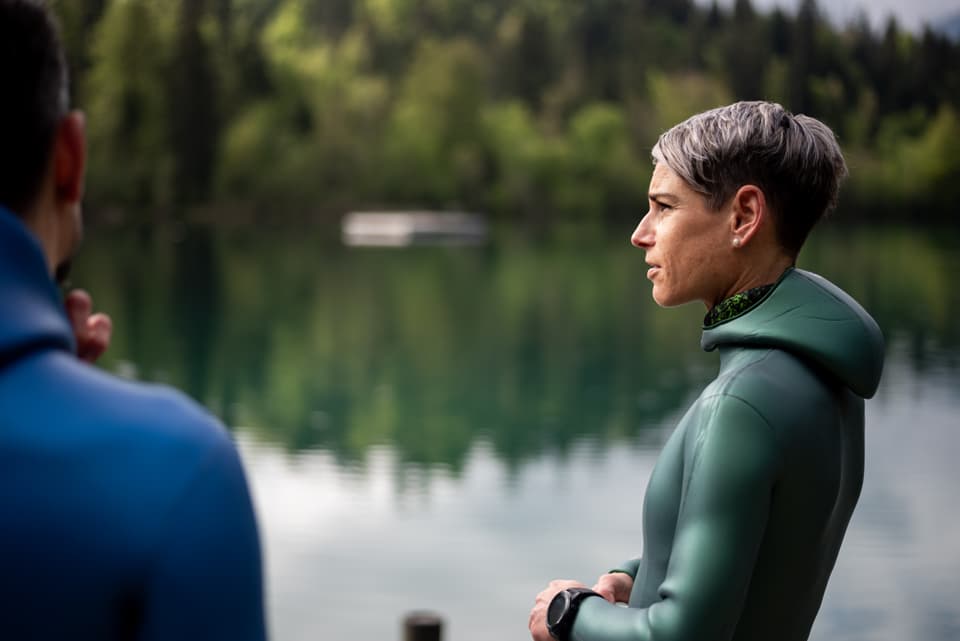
(735, 192)
(43, 159)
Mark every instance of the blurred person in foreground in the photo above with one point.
(124, 510)
(748, 503)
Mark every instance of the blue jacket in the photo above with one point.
(124, 510)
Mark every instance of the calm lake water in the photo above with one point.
(450, 428)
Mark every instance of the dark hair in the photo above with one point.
(34, 77)
(795, 160)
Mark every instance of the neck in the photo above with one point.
(41, 220)
(755, 274)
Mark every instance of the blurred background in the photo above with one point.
(449, 427)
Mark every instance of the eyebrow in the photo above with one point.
(662, 196)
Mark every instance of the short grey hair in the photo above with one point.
(794, 160)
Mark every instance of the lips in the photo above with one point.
(654, 268)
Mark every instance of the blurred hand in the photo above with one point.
(615, 587)
(92, 331)
(538, 615)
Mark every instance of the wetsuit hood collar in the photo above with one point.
(809, 316)
(33, 316)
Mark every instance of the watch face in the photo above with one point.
(557, 607)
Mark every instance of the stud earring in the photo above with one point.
(736, 241)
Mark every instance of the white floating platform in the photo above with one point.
(405, 228)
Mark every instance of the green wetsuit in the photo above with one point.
(750, 498)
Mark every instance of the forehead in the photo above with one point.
(666, 181)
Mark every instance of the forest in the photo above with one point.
(533, 110)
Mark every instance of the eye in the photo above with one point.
(660, 207)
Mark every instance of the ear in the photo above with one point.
(749, 212)
(70, 158)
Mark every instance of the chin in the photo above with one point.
(665, 302)
(668, 298)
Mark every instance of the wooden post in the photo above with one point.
(422, 626)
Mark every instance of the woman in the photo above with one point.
(747, 506)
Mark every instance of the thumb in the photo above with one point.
(606, 591)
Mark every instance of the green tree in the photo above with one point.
(194, 122)
(803, 56)
(525, 58)
(746, 52)
(128, 105)
(78, 20)
(434, 151)
(314, 139)
(323, 105)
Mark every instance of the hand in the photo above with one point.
(538, 615)
(615, 587)
(92, 331)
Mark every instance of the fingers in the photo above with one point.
(614, 587)
(92, 332)
(78, 305)
(606, 588)
(537, 617)
(562, 584)
(537, 623)
(95, 338)
(606, 592)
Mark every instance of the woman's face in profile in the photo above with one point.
(687, 244)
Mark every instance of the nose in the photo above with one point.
(642, 236)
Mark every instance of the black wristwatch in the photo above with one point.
(563, 610)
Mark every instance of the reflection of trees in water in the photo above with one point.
(429, 350)
(905, 277)
(530, 347)
(195, 311)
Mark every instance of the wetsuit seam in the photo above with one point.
(815, 370)
(859, 319)
(725, 392)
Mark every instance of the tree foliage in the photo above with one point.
(529, 108)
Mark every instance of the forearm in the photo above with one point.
(599, 620)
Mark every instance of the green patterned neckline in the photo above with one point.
(736, 305)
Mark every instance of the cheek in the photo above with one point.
(700, 263)
(696, 252)
(685, 269)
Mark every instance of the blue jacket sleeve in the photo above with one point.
(719, 531)
(206, 582)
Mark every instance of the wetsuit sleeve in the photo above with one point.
(719, 530)
(630, 567)
(207, 580)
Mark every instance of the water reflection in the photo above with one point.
(477, 547)
(474, 548)
(315, 346)
(449, 428)
(899, 572)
